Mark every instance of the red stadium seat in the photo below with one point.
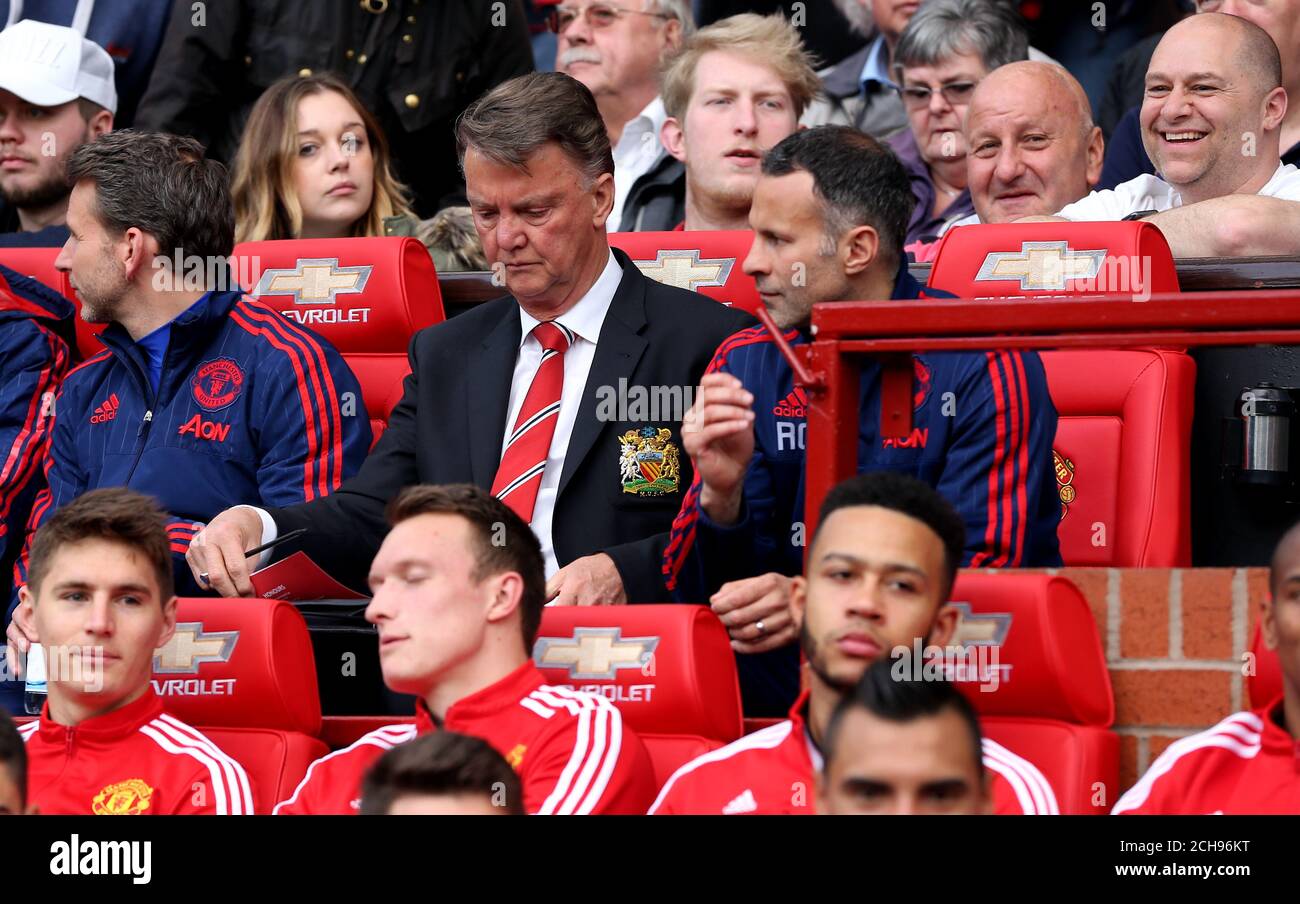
(1123, 444)
(1037, 676)
(1123, 455)
(1022, 260)
(242, 670)
(1265, 685)
(701, 261)
(38, 263)
(367, 296)
(669, 669)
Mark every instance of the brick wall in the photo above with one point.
(1174, 640)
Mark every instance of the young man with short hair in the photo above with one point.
(56, 93)
(903, 746)
(442, 774)
(102, 602)
(731, 92)
(880, 570)
(458, 595)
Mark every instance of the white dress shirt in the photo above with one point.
(637, 152)
(1148, 192)
(584, 320)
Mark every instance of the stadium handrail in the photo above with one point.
(845, 332)
(1202, 274)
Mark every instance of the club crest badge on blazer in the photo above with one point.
(648, 462)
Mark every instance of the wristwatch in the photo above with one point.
(1141, 214)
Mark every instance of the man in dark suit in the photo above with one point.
(566, 400)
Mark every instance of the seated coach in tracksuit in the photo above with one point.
(203, 399)
(829, 215)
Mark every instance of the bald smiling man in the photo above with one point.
(1211, 121)
(1033, 145)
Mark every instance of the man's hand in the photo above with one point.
(20, 636)
(742, 605)
(718, 433)
(216, 554)
(589, 581)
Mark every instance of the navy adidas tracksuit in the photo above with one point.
(251, 408)
(983, 430)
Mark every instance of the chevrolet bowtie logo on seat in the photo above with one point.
(190, 647)
(983, 629)
(314, 281)
(594, 652)
(1042, 265)
(682, 267)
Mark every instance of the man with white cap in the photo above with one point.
(56, 93)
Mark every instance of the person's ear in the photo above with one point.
(602, 197)
(673, 137)
(672, 36)
(1268, 621)
(505, 592)
(798, 600)
(1275, 104)
(169, 621)
(1095, 155)
(944, 627)
(859, 249)
(136, 248)
(100, 124)
(26, 597)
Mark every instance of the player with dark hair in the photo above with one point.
(101, 598)
(903, 746)
(880, 569)
(830, 212)
(1247, 763)
(442, 774)
(458, 595)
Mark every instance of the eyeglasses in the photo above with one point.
(600, 15)
(955, 93)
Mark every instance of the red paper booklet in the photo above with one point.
(296, 577)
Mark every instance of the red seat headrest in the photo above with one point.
(1265, 685)
(669, 668)
(365, 295)
(1039, 635)
(1020, 260)
(38, 263)
(699, 260)
(244, 663)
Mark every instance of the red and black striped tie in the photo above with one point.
(520, 474)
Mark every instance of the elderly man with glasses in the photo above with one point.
(615, 48)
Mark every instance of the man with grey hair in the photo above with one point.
(615, 48)
(533, 395)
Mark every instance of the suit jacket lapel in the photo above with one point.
(489, 367)
(618, 351)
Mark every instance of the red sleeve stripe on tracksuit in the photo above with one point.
(323, 466)
(28, 450)
(1007, 502)
(682, 534)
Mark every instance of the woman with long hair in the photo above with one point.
(314, 163)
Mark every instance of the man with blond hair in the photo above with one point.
(733, 90)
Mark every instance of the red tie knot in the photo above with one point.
(553, 337)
